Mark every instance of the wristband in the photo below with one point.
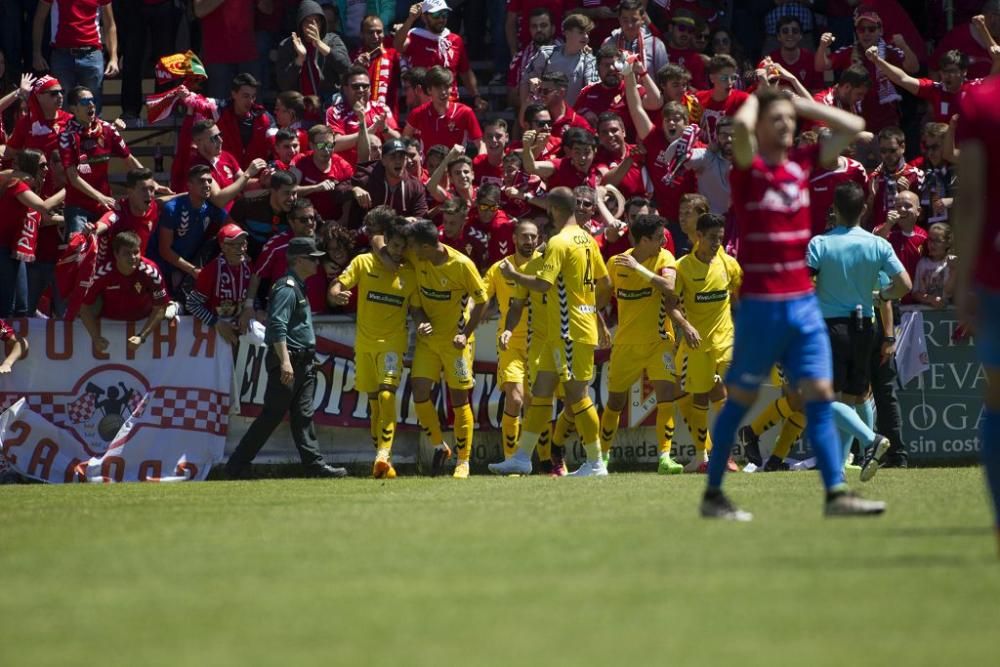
(889, 339)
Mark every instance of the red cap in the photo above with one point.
(230, 232)
(867, 14)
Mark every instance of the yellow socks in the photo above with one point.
(609, 426)
(589, 426)
(771, 415)
(665, 426)
(536, 421)
(685, 405)
(699, 428)
(386, 420)
(564, 424)
(428, 417)
(545, 444)
(463, 431)
(509, 427)
(373, 419)
(794, 424)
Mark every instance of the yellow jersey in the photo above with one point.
(572, 265)
(535, 316)
(448, 291)
(505, 290)
(642, 310)
(705, 291)
(384, 297)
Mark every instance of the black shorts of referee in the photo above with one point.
(852, 340)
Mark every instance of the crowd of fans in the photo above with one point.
(299, 118)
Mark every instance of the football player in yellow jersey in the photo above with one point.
(384, 296)
(643, 280)
(707, 283)
(575, 281)
(512, 361)
(453, 298)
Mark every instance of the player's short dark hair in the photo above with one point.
(608, 51)
(556, 78)
(892, 132)
(283, 179)
(675, 109)
(29, 161)
(710, 221)
(672, 72)
(540, 11)
(788, 19)
(647, 226)
(294, 101)
(437, 149)
(697, 201)
(300, 204)
(560, 201)
(608, 117)
(629, 5)
(488, 191)
(849, 202)
(721, 61)
(243, 79)
(577, 136)
(416, 77)
(766, 97)
(136, 176)
(438, 77)
(395, 227)
(532, 110)
(319, 130)
(455, 206)
(378, 219)
(636, 202)
(202, 126)
(577, 21)
(855, 76)
(954, 57)
(498, 123)
(75, 93)
(356, 70)
(461, 159)
(123, 240)
(284, 135)
(198, 170)
(422, 232)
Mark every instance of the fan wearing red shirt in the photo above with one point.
(488, 167)
(618, 162)
(287, 149)
(665, 158)
(289, 114)
(272, 264)
(128, 287)
(77, 51)
(138, 212)
(319, 172)
(343, 118)
(244, 123)
(436, 46)
(942, 96)
(722, 99)
(604, 14)
(901, 230)
(229, 180)
(492, 223)
(608, 94)
(824, 182)
(974, 39)
(891, 177)
(800, 62)
(880, 106)
(221, 287)
(382, 62)
(978, 235)
(577, 168)
(443, 121)
(770, 193)
(553, 92)
(681, 49)
(228, 40)
(86, 146)
(542, 26)
(851, 89)
(456, 232)
(547, 145)
(519, 15)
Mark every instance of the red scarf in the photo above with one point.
(75, 271)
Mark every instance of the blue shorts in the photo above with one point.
(988, 328)
(790, 332)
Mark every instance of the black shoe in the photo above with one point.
(751, 445)
(326, 471)
(774, 464)
(241, 472)
(718, 506)
(545, 467)
(848, 503)
(875, 459)
(895, 461)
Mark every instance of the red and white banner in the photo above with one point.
(160, 413)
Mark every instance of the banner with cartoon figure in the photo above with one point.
(159, 413)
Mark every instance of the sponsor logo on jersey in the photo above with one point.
(388, 299)
(711, 297)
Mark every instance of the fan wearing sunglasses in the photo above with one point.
(320, 171)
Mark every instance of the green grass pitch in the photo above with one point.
(529, 571)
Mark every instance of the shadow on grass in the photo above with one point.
(940, 531)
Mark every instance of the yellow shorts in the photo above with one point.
(512, 364)
(629, 361)
(433, 357)
(568, 360)
(700, 370)
(373, 369)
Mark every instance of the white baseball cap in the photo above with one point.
(431, 6)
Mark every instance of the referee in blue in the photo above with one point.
(291, 369)
(846, 262)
